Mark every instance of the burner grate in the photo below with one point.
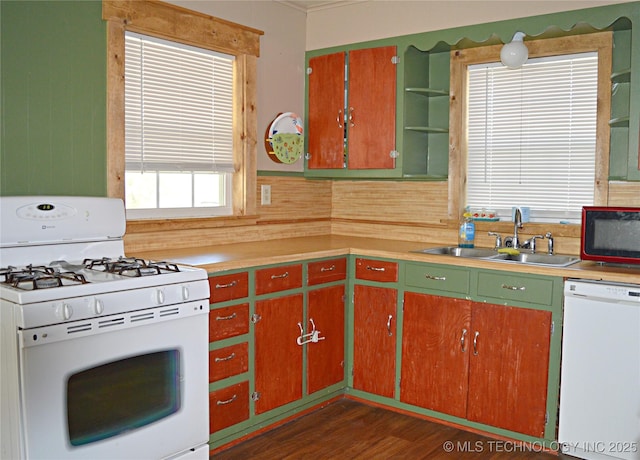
(39, 277)
(130, 266)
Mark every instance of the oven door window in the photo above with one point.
(122, 395)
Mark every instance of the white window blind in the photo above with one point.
(178, 107)
(531, 136)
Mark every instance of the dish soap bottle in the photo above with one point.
(467, 233)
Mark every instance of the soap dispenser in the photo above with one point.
(467, 232)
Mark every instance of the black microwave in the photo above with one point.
(610, 234)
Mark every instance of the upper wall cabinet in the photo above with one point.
(380, 112)
(425, 133)
(624, 159)
(368, 117)
(325, 132)
(351, 113)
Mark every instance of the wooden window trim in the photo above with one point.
(602, 42)
(179, 24)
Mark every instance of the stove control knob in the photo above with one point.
(64, 311)
(185, 292)
(98, 306)
(160, 296)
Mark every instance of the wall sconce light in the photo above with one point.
(514, 54)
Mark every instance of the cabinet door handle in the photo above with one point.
(475, 343)
(389, 325)
(375, 269)
(339, 119)
(226, 318)
(436, 278)
(284, 275)
(228, 401)
(226, 358)
(328, 269)
(228, 285)
(463, 341)
(514, 288)
(352, 117)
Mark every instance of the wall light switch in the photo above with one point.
(265, 194)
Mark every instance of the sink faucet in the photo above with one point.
(517, 223)
(550, 238)
(531, 243)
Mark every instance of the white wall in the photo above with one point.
(289, 32)
(374, 19)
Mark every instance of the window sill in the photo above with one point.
(156, 225)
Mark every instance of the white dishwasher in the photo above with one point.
(600, 377)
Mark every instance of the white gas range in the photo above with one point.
(103, 356)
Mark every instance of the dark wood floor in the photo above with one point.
(348, 429)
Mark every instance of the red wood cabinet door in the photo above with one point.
(228, 361)
(228, 322)
(435, 353)
(279, 278)
(374, 340)
(228, 287)
(508, 367)
(325, 119)
(278, 357)
(228, 406)
(371, 111)
(325, 359)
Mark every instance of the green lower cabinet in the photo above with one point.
(485, 354)
(474, 347)
(482, 362)
(277, 344)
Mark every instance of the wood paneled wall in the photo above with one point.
(295, 199)
(411, 211)
(624, 194)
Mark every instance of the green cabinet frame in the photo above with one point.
(422, 94)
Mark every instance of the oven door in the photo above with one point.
(138, 389)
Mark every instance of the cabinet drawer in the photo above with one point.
(516, 287)
(228, 287)
(278, 279)
(228, 361)
(326, 271)
(376, 270)
(228, 406)
(228, 322)
(437, 277)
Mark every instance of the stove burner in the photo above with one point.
(130, 266)
(40, 277)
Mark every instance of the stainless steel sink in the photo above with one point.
(540, 259)
(460, 252)
(552, 260)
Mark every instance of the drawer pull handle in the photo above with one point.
(228, 401)
(389, 325)
(228, 285)
(225, 318)
(436, 278)
(328, 269)
(514, 288)
(375, 269)
(226, 358)
(284, 275)
(463, 341)
(475, 343)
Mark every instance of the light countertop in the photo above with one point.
(215, 258)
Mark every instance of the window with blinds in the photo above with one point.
(532, 136)
(178, 129)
